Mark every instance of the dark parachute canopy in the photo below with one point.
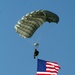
(33, 20)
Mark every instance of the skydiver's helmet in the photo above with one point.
(36, 53)
(36, 44)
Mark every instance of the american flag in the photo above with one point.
(47, 67)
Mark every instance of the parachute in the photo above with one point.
(29, 23)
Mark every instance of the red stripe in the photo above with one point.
(57, 67)
(51, 67)
(45, 74)
(51, 71)
(52, 63)
(55, 63)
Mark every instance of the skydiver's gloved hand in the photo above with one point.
(36, 53)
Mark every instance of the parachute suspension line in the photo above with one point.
(39, 39)
(29, 41)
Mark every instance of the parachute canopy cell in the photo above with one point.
(29, 23)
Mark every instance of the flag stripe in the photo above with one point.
(51, 70)
(52, 63)
(45, 73)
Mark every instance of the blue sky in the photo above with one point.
(56, 41)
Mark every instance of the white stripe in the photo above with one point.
(50, 66)
(51, 69)
(57, 68)
(46, 73)
(52, 63)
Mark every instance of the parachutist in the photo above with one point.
(36, 52)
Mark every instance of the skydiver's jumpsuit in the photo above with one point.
(36, 53)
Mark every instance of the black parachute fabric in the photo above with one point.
(33, 20)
